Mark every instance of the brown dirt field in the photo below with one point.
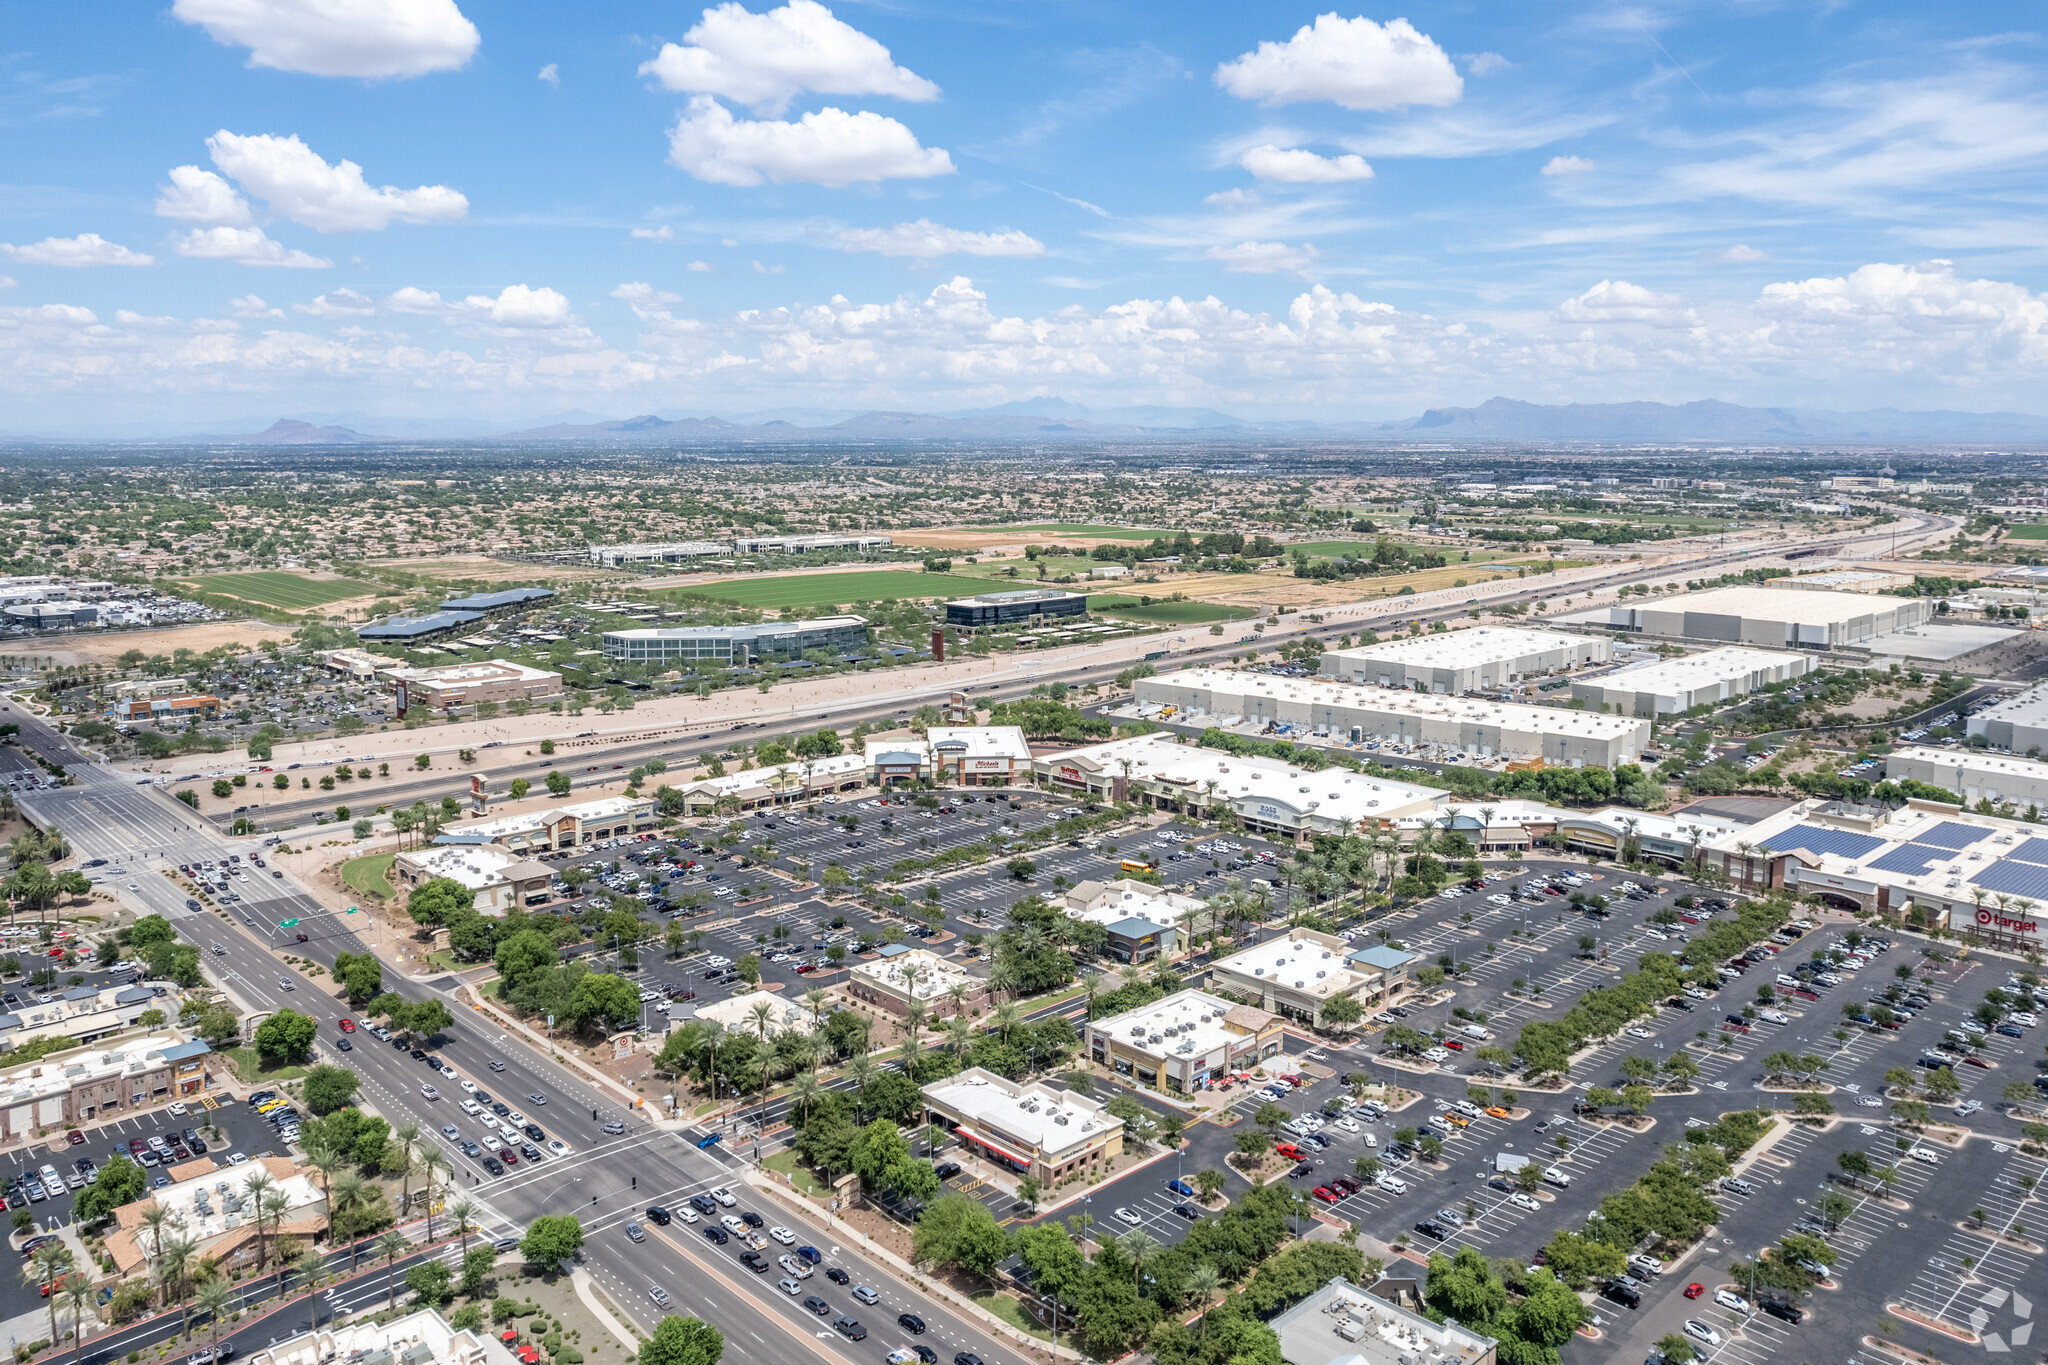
(486, 569)
(114, 643)
(941, 538)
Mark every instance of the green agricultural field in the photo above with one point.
(1166, 613)
(1064, 528)
(2031, 531)
(807, 592)
(287, 591)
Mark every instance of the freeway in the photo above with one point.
(605, 1178)
(1075, 668)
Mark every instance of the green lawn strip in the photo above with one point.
(1167, 613)
(829, 589)
(273, 589)
(2031, 531)
(1012, 1312)
(252, 1071)
(370, 876)
(799, 1174)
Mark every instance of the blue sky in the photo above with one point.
(216, 209)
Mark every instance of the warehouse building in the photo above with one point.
(416, 630)
(1270, 796)
(1466, 660)
(1670, 686)
(2018, 725)
(1021, 607)
(658, 552)
(1973, 775)
(451, 687)
(735, 646)
(499, 603)
(1188, 1040)
(1771, 619)
(1313, 708)
(1844, 580)
(1029, 1127)
(806, 544)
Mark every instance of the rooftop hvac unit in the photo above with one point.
(1060, 1119)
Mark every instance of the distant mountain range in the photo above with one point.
(1496, 421)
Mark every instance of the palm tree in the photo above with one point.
(860, 1071)
(154, 1217)
(805, 1091)
(1007, 1016)
(1091, 985)
(958, 993)
(214, 1298)
(762, 1014)
(408, 1136)
(1485, 823)
(914, 1016)
(327, 1162)
(77, 1297)
(310, 1265)
(959, 1037)
(50, 1260)
(1202, 1282)
(393, 1245)
(434, 1160)
(814, 1001)
(258, 1185)
(464, 1214)
(272, 1211)
(1139, 1245)
(172, 1268)
(351, 1192)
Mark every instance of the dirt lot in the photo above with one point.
(1000, 538)
(483, 568)
(111, 645)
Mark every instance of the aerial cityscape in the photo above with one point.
(673, 678)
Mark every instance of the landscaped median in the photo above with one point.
(370, 875)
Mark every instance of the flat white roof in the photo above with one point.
(1297, 963)
(839, 765)
(1336, 793)
(1549, 720)
(981, 741)
(1840, 577)
(476, 866)
(934, 973)
(735, 1014)
(1195, 1017)
(1466, 648)
(1050, 1120)
(1772, 604)
(604, 808)
(1968, 760)
(2029, 708)
(482, 670)
(1696, 670)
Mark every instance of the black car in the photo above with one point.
(911, 1323)
(1429, 1227)
(1780, 1309)
(418, 1054)
(754, 1261)
(501, 1109)
(925, 1354)
(533, 1130)
(818, 1305)
(701, 1203)
(1623, 1292)
(657, 1214)
(966, 1358)
(946, 1170)
(836, 1275)
(1504, 1186)
(493, 1165)
(717, 1235)
(850, 1329)
(1301, 1170)
(1187, 1211)
(752, 1220)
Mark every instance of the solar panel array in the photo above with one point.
(1911, 859)
(2015, 879)
(1820, 839)
(1951, 834)
(2032, 851)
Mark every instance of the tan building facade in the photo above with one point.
(1185, 1042)
(1050, 1135)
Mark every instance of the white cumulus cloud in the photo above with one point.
(338, 303)
(1298, 166)
(1355, 63)
(519, 306)
(87, 248)
(1738, 254)
(699, 267)
(365, 38)
(552, 74)
(664, 233)
(925, 240)
(196, 195)
(765, 60)
(1263, 258)
(828, 147)
(296, 182)
(413, 300)
(1620, 301)
(245, 246)
(251, 306)
(1928, 298)
(1566, 165)
(1485, 63)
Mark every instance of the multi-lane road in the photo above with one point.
(605, 1179)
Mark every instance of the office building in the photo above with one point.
(901, 974)
(1020, 607)
(422, 1337)
(1270, 796)
(78, 1088)
(1031, 1128)
(2018, 725)
(1319, 710)
(454, 687)
(498, 879)
(1300, 972)
(740, 1014)
(417, 630)
(56, 615)
(658, 552)
(559, 827)
(960, 755)
(1669, 686)
(1341, 1324)
(806, 544)
(1186, 1041)
(500, 602)
(80, 1014)
(1769, 618)
(359, 664)
(736, 646)
(212, 1207)
(1466, 660)
(1973, 774)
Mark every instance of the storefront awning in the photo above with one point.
(998, 1148)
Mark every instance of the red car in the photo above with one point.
(1695, 1289)
(1734, 1028)
(74, 1137)
(1976, 1061)
(1454, 1045)
(348, 1026)
(1288, 1150)
(1326, 1194)
(509, 1157)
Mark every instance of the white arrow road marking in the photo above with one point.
(2020, 1306)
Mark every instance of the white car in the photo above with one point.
(783, 1235)
(471, 1107)
(683, 1211)
(723, 1196)
(1773, 1017)
(178, 1109)
(1524, 1201)
(716, 961)
(1392, 1184)
(733, 1224)
(1925, 1157)
(1699, 1331)
(1640, 1033)
(1125, 1215)
(1729, 1299)
(469, 1087)
(1870, 1101)
(1437, 1054)
(1350, 1125)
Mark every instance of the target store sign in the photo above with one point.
(1992, 921)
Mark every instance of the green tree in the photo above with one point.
(285, 1037)
(955, 1230)
(1675, 1349)
(436, 901)
(551, 1238)
(558, 784)
(682, 1341)
(360, 974)
(431, 1281)
(121, 1182)
(1578, 1260)
(328, 1088)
